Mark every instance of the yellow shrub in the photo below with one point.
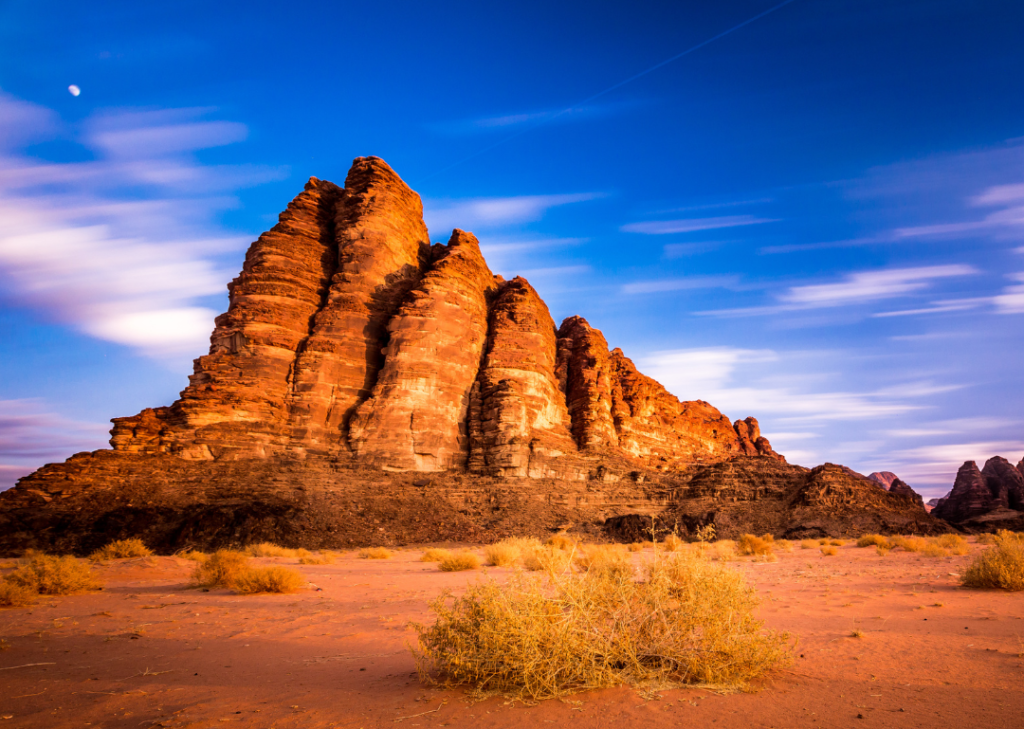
(688, 622)
(673, 543)
(48, 575)
(220, 569)
(829, 551)
(873, 540)
(375, 553)
(12, 595)
(605, 559)
(881, 550)
(561, 541)
(434, 554)
(459, 561)
(319, 558)
(121, 549)
(1000, 566)
(269, 549)
(837, 542)
(909, 544)
(784, 544)
(546, 559)
(501, 554)
(954, 543)
(195, 556)
(636, 547)
(986, 539)
(808, 544)
(934, 550)
(749, 544)
(253, 580)
(721, 551)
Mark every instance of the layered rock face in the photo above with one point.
(883, 478)
(970, 496)
(1005, 482)
(995, 493)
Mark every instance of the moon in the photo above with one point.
(74, 90)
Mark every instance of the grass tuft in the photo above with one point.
(459, 562)
(269, 549)
(12, 595)
(502, 554)
(829, 551)
(375, 553)
(635, 547)
(434, 554)
(1001, 566)
(873, 540)
(604, 559)
(561, 541)
(672, 543)
(121, 549)
(688, 622)
(808, 544)
(546, 559)
(748, 544)
(318, 558)
(276, 579)
(47, 575)
(220, 569)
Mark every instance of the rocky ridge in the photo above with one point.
(990, 498)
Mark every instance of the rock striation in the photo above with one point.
(352, 349)
(994, 493)
(893, 484)
(883, 478)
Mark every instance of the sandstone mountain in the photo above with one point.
(883, 478)
(990, 498)
(894, 484)
(353, 351)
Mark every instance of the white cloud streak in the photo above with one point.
(689, 225)
(690, 283)
(484, 213)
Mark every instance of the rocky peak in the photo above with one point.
(883, 478)
(1005, 482)
(970, 496)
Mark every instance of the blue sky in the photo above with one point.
(816, 219)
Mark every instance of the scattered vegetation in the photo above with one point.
(808, 544)
(882, 551)
(121, 549)
(748, 544)
(269, 549)
(954, 543)
(706, 533)
(12, 595)
(672, 543)
(636, 547)
(604, 559)
(47, 575)
(546, 559)
(857, 634)
(502, 554)
(194, 555)
(874, 540)
(433, 554)
(829, 551)
(459, 562)
(375, 553)
(986, 538)
(721, 551)
(561, 541)
(319, 558)
(253, 580)
(688, 622)
(1000, 566)
(220, 569)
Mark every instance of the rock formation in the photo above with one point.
(893, 484)
(883, 478)
(353, 346)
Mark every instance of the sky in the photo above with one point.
(810, 212)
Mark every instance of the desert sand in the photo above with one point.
(149, 651)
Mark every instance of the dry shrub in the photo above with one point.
(829, 551)
(808, 544)
(648, 545)
(375, 553)
(986, 539)
(784, 544)
(12, 595)
(220, 569)
(318, 558)
(432, 554)
(672, 543)
(122, 549)
(721, 551)
(688, 622)
(546, 559)
(748, 544)
(561, 541)
(48, 575)
(934, 550)
(194, 555)
(269, 549)
(873, 540)
(459, 562)
(1000, 566)
(254, 580)
(910, 544)
(954, 543)
(635, 547)
(837, 542)
(502, 554)
(604, 559)
(881, 551)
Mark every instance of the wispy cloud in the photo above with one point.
(680, 250)
(680, 284)
(690, 225)
(934, 466)
(121, 247)
(512, 120)
(483, 213)
(1011, 301)
(32, 435)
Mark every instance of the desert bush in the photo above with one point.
(881, 550)
(220, 569)
(546, 559)
(269, 549)
(873, 540)
(12, 595)
(318, 558)
(784, 544)
(502, 554)
(689, 621)
(254, 580)
(837, 542)
(934, 550)
(672, 543)
(808, 544)
(375, 553)
(748, 544)
(48, 575)
(635, 547)
(909, 544)
(434, 554)
(561, 541)
(986, 539)
(194, 555)
(459, 562)
(605, 559)
(954, 543)
(122, 549)
(829, 551)
(706, 533)
(1000, 566)
(721, 551)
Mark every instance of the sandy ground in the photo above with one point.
(147, 651)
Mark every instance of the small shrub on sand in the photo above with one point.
(501, 554)
(748, 544)
(434, 554)
(784, 544)
(561, 541)
(986, 539)
(12, 595)
(837, 542)
(220, 569)
(635, 547)
(808, 544)
(254, 580)
(546, 559)
(121, 549)
(194, 555)
(934, 550)
(48, 575)
(881, 550)
(829, 551)
(375, 553)
(873, 540)
(909, 544)
(605, 559)
(459, 562)
(688, 622)
(721, 551)
(672, 543)
(318, 558)
(954, 543)
(1000, 566)
(269, 549)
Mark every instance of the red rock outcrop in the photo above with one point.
(416, 417)
(1005, 482)
(883, 478)
(903, 489)
(970, 496)
(519, 423)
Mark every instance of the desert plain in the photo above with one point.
(887, 640)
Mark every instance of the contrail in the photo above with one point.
(608, 90)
